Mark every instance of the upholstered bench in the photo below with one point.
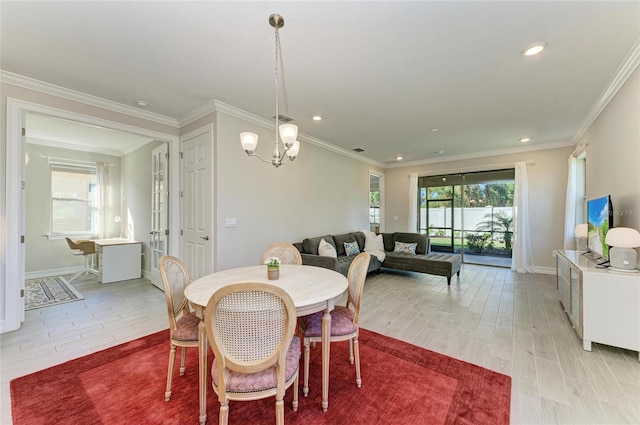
(422, 261)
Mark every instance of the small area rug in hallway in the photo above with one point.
(401, 384)
(48, 291)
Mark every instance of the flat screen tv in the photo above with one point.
(599, 221)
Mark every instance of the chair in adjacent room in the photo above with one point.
(183, 323)
(86, 248)
(287, 253)
(344, 320)
(251, 327)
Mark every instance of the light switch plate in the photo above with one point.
(230, 222)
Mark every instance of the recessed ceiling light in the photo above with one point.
(525, 140)
(317, 118)
(433, 130)
(398, 158)
(141, 103)
(534, 50)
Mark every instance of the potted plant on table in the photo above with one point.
(273, 268)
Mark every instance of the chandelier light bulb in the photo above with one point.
(292, 153)
(249, 141)
(288, 134)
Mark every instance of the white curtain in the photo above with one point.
(103, 198)
(522, 259)
(413, 202)
(570, 205)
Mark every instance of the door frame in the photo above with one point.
(14, 226)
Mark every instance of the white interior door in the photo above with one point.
(159, 234)
(197, 195)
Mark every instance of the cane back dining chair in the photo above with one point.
(183, 323)
(287, 253)
(344, 320)
(86, 248)
(250, 327)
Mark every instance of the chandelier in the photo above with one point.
(288, 133)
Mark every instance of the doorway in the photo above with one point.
(14, 271)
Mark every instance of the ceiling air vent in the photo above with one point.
(283, 118)
(358, 150)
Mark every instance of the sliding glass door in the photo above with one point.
(470, 214)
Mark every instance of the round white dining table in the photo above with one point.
(311, 288)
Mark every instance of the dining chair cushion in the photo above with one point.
(265, 379)
(341, 322)
(187, 327)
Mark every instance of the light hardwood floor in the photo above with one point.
(508, 322)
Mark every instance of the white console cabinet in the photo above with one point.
(118, 259)
(603, 306)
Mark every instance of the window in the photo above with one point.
(73, 199)
(374, 201)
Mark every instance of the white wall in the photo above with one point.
(321, 192)
(547, 188)
(42, 254)
(613, 154)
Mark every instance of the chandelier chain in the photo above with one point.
(277, 150)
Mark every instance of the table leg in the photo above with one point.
(202, 360)
(326, 345)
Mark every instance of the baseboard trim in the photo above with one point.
(544, 270)
(53, 272)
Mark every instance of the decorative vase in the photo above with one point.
(273, 273)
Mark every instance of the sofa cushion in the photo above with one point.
(405, 248)
(373, 242)
(325, 249)
(339, 240)
(419, 239)
(360, 238)
(387, 239)
(343, 263)
(351, 249)
(311, 244)
(300, 247)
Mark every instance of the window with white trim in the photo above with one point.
(73, 199)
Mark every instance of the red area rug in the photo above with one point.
(401, 384)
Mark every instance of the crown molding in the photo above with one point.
(629, 64)
(72, 146)
(254, 119)
(532, 148)
(136, 145)
(76, 96)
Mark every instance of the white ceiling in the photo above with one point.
(382, 74)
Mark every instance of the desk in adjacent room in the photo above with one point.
(118, 259)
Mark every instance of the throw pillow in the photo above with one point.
(351, 248)
(325, 249)
(373, 242)
(405, 248)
